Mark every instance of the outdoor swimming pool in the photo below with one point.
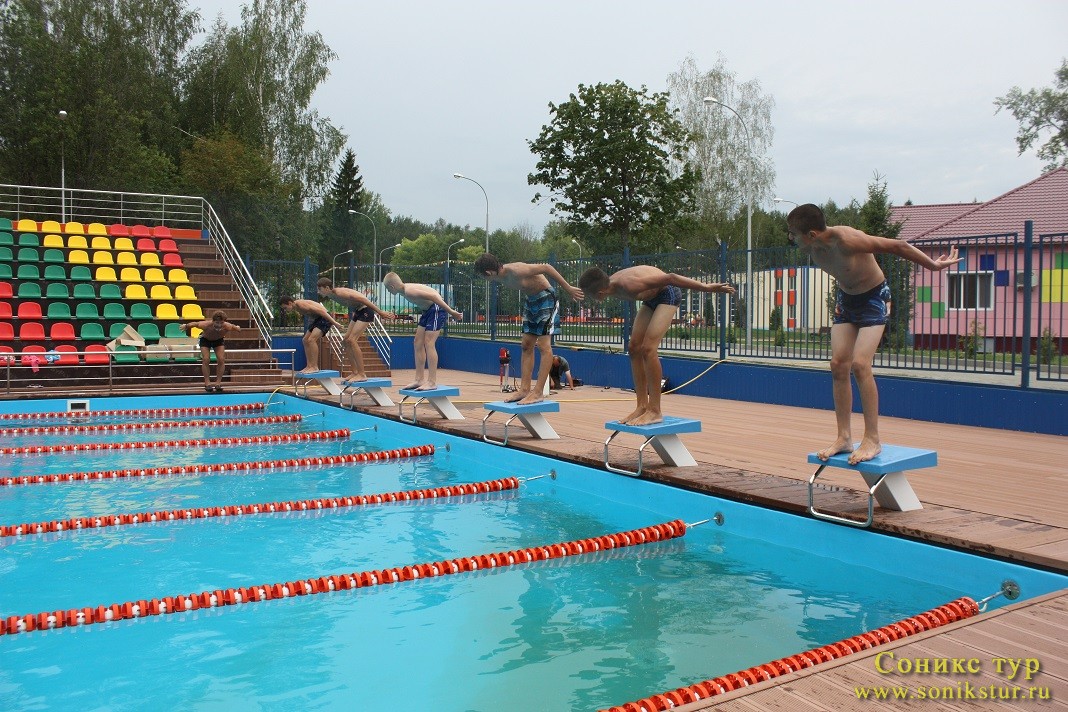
(583, 632)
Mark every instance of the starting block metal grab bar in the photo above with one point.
(437, 397)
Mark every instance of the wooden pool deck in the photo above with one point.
(995, 492)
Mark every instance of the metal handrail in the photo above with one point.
(381, 341)
(262, 316)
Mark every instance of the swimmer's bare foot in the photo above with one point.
(867, 450)
(649, 417)
(839, 445)
(414, 385)
(358, 377)
(308, 369)
(632, 416)
(427, 386)
(534, 397)
(517, 396)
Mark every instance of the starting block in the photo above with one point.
(330, 380)
(663, 436)
(530, 415)
(437, 397)
(885, 477)
(374, 387)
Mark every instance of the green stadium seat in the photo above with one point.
(116, 330)
(110, 291)
(29, 272)
(86, 310)
(149, 331)
(57, 290)
(6, 238)
(84, 290)
(92, 331)
(5, 271)
(29, 310)
(5, 224)
(173, 330)
(6, 255)
(28, 254)
(29, 290)
(126, 354)
(140, 310)
(28, 240)
(80, 273)
(115, 310)
(55, 273)
(54, 256)
(58, 310)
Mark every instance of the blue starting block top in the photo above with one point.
(545, 406)
(370, 383)
(668, 426)
(439, 392)
(318, 375)
(893, 458)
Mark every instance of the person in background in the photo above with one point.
(559, 372)
(362, 313)
(320, 325)
(212, 338)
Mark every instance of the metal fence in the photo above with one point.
(1000, 311)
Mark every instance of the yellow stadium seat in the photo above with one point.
(106, 274)
(50, 226)
(101, 242)
(192, 311)
(160, 291)
(102, 257)
(123, 243)
(153, 274)
(130, 274)
(52, 241)
(149, 259)
(77, 241)
(135, 291)
(74, 228)
(166, 311)
(177, 276)
(184, 293)
(125, 258)
(96, 229)
(27, 225)
(78, 257)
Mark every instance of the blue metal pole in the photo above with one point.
(722, 303)
(1025, 361)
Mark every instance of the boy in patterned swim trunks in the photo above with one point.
(436, 314)
(660, 294)
(541, 316)
(317, 329)
(860, 312)
(362, 312)
(212, 338)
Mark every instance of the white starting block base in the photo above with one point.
(885, 477)
(330, 380)
(530, 415)
(663, 436)
(437, 397)
(374, 387)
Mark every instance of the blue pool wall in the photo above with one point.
(971, 574)
(934, 400)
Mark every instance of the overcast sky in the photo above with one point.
(903, 88)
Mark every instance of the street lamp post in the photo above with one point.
(579, 246)
(461, 175)
(333, 266)
(748, 226)
(374, 247)
(784, 200)
(384, 250)
(448, 266)
(63, 169)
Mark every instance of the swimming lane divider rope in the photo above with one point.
(951, 612)
(236, 510)
(327, 584)
(155, 444)
(81, 415)
(154, 425)
(218, 467)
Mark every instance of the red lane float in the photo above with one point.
(326, 584)
(950, 612)
(115, 427)
(199, 410)
(230, 467)
(203, 442)
(233, 510)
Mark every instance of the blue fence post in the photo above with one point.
(722, 303)
(628, 307)
(491, 312)
(1025, 360)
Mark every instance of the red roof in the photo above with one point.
(918, 219)
(1044, 200)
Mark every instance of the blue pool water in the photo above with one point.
(585, 632)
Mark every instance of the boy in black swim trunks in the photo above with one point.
(362, 312)
(317, 329)
(861, 308)
(541, 316)
(212, 338)
(660, 294)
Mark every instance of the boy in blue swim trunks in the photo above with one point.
(541, 316)
(660, 294)
(436, 313)
(321, 321)
(362, 312)
(861, 308)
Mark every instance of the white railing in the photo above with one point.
(262, 315)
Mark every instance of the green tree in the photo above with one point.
(874, 218)
(734, 157)
(343, 230)
(606, 159)
(1041, 113)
